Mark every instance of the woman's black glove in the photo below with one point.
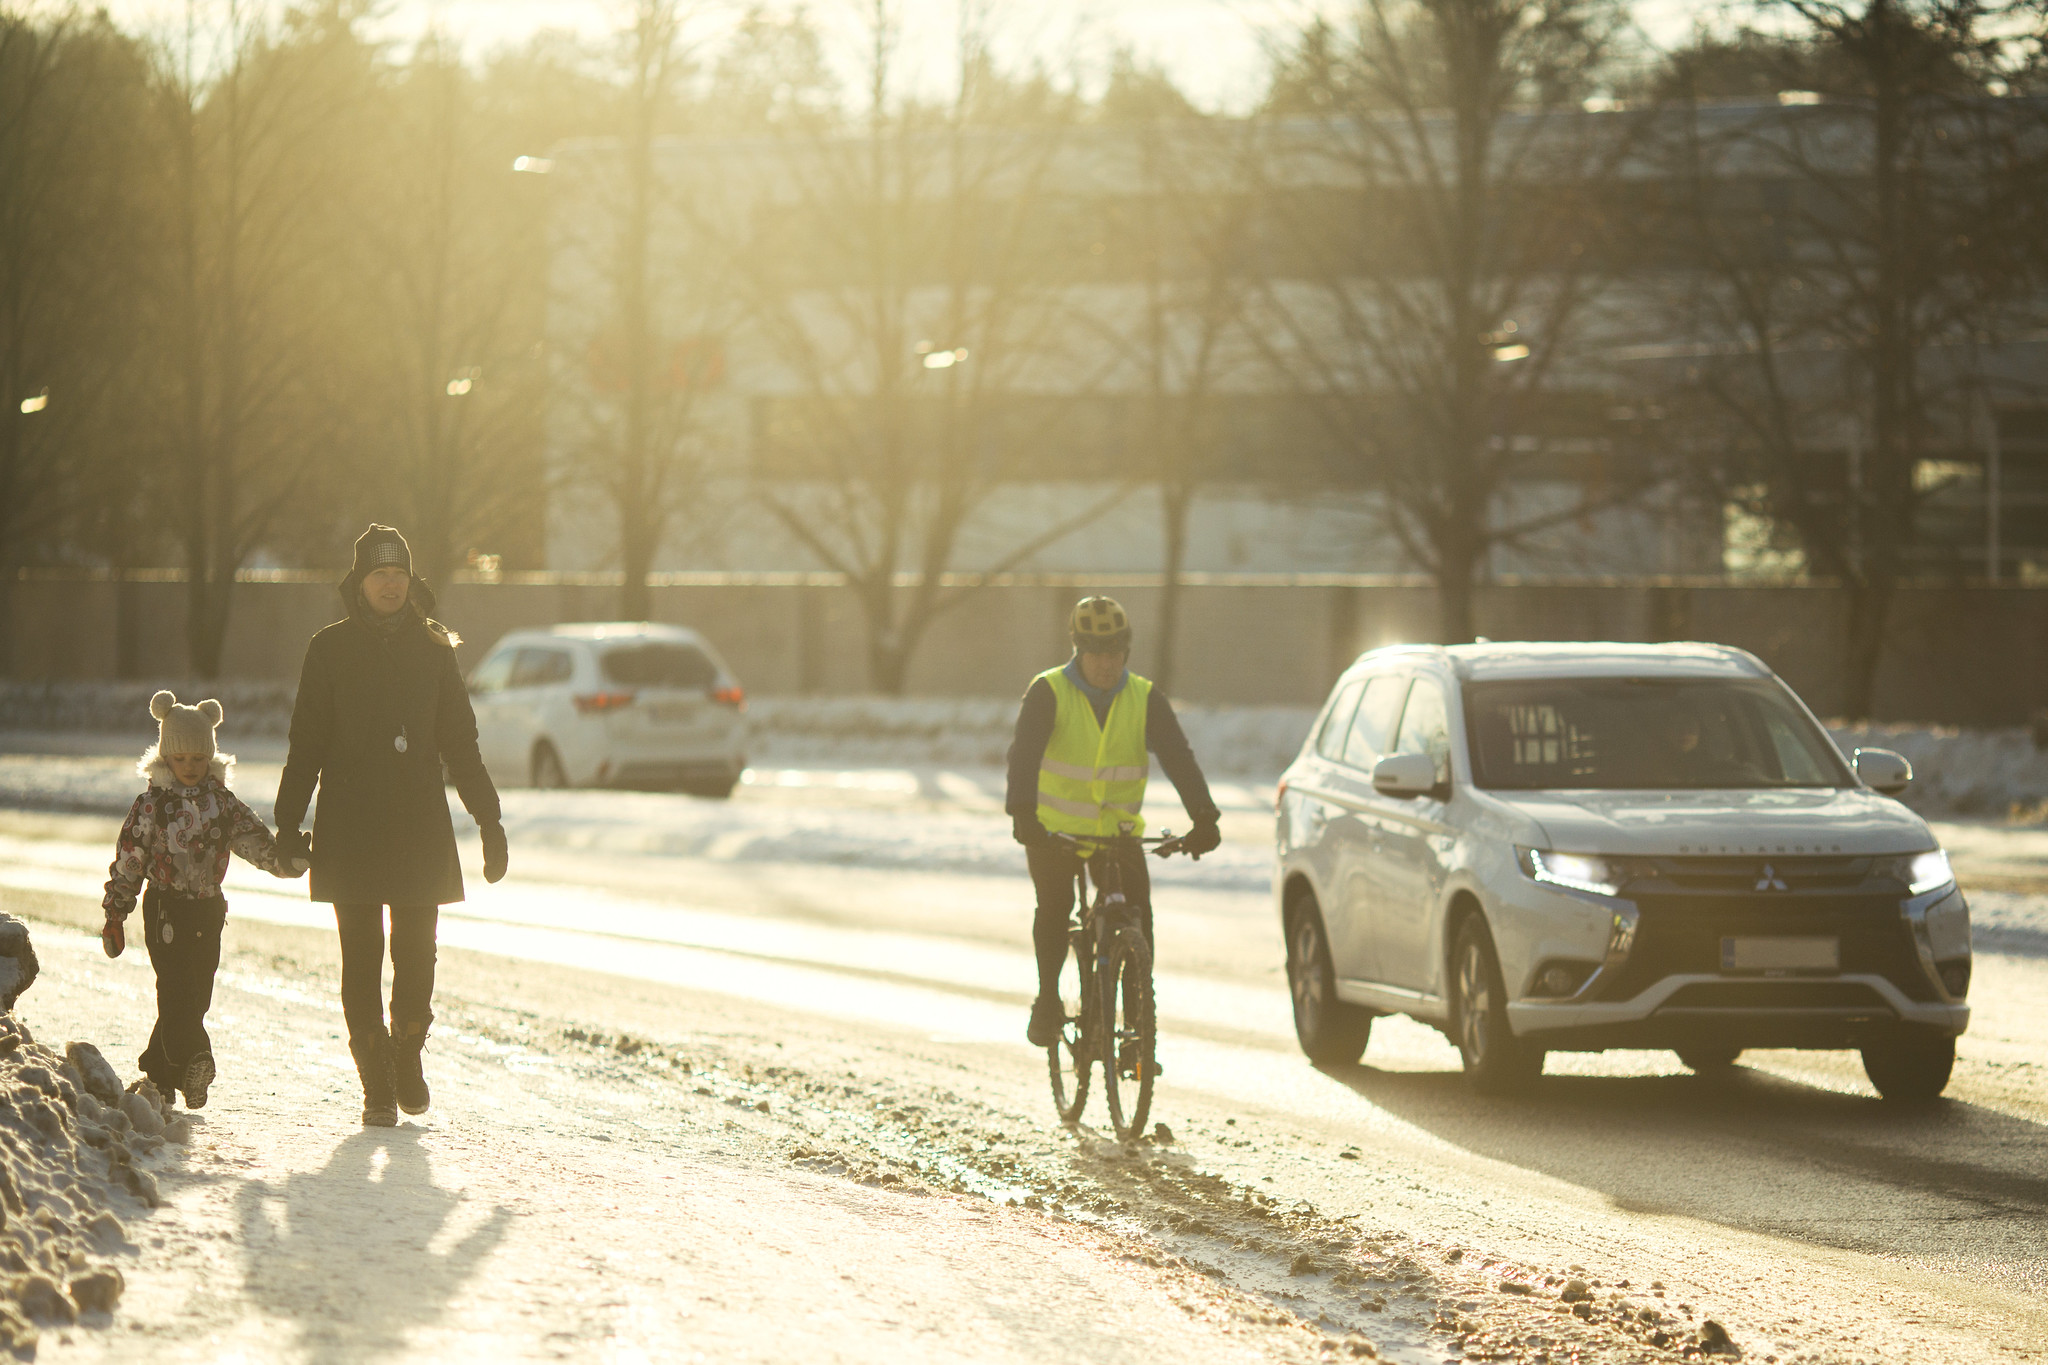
(1203, 838)
(496, 852)
(1026, 830)
(294, 853)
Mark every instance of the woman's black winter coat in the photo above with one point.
(381, 834)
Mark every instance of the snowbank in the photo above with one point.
(71, 1141)
(843, 732)
(1961, 772)
(1956, 772)
(1239, 741)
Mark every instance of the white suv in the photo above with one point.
(623, 704)
(1571, 847)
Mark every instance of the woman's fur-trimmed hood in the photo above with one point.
(153, 767)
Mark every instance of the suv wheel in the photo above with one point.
(1912, 1068)
(1496, 1062)
(547, 767)
(1332, 1032)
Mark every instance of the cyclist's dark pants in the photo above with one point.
(1052, 873)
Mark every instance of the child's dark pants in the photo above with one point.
(183, 935)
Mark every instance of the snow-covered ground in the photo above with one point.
(849, 946)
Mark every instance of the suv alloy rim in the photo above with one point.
(1475, 1002)
(1307, 976)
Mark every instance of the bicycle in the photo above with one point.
(1109, 1015)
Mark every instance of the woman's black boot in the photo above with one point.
(373, 1064)
(407, 1041)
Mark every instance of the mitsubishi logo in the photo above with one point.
(1771, 881)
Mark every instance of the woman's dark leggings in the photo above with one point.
(362, 966)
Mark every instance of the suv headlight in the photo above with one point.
(1921, 872)
(1576, 871)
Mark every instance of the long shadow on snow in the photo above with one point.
(343, 1252)
(1756, 1152)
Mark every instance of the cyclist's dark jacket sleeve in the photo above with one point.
(1163, 736)
(1027, 748)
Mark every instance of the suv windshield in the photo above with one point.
(1645, 733)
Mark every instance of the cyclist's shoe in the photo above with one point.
(1048, 1017)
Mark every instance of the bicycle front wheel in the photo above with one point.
(1070, 1056)
(1126, 993)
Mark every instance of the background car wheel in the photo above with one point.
(1331, 1032)
(547, 767)
(1912, 1068)
(1496, 1062)
(718, 788)
(1709, 1057)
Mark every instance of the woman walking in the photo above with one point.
(381, 708)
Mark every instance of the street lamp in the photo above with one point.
(40, 401)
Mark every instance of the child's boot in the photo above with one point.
(199, 1074)
(407, 1041)
(373, 1065)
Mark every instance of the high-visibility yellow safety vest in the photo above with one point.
(1092, 778)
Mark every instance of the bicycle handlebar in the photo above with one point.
(1165, 843)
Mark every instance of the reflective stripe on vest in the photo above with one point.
(1092, 778)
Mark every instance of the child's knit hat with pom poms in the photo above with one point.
(184, 729)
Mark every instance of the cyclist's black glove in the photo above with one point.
(1203, 838)
(1026, 830)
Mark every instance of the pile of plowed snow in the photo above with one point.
(71, 1147)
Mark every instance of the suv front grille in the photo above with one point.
(1681, 935)
(1755, 874)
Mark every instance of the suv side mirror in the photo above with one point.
(1404, 775)
(1883, 770)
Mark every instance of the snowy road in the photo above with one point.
(1787, 1203)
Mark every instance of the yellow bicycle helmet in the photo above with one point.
(1099, 625)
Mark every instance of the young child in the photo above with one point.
(178, 835)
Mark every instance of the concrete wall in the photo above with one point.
(1959, 656)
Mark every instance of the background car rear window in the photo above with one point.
(1646, 734)
(658, 665)
(539, 667)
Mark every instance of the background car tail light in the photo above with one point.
(593, 703)
(735, 697)
(1280, 796)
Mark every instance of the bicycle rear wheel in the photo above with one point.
(1126, 994)
(1068, 1059)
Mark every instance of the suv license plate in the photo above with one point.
(1781, 954)
(669, 712)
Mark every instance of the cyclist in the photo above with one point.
(1078, 766)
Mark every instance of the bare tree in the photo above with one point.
(1438, 197)
(1189, 226)
(1853, 253)
(453, 317)
(636, 367)
(257, 145)
(70, 233)
(914, 304)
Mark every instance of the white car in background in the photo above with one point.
(1572, 847)
(621, 704)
